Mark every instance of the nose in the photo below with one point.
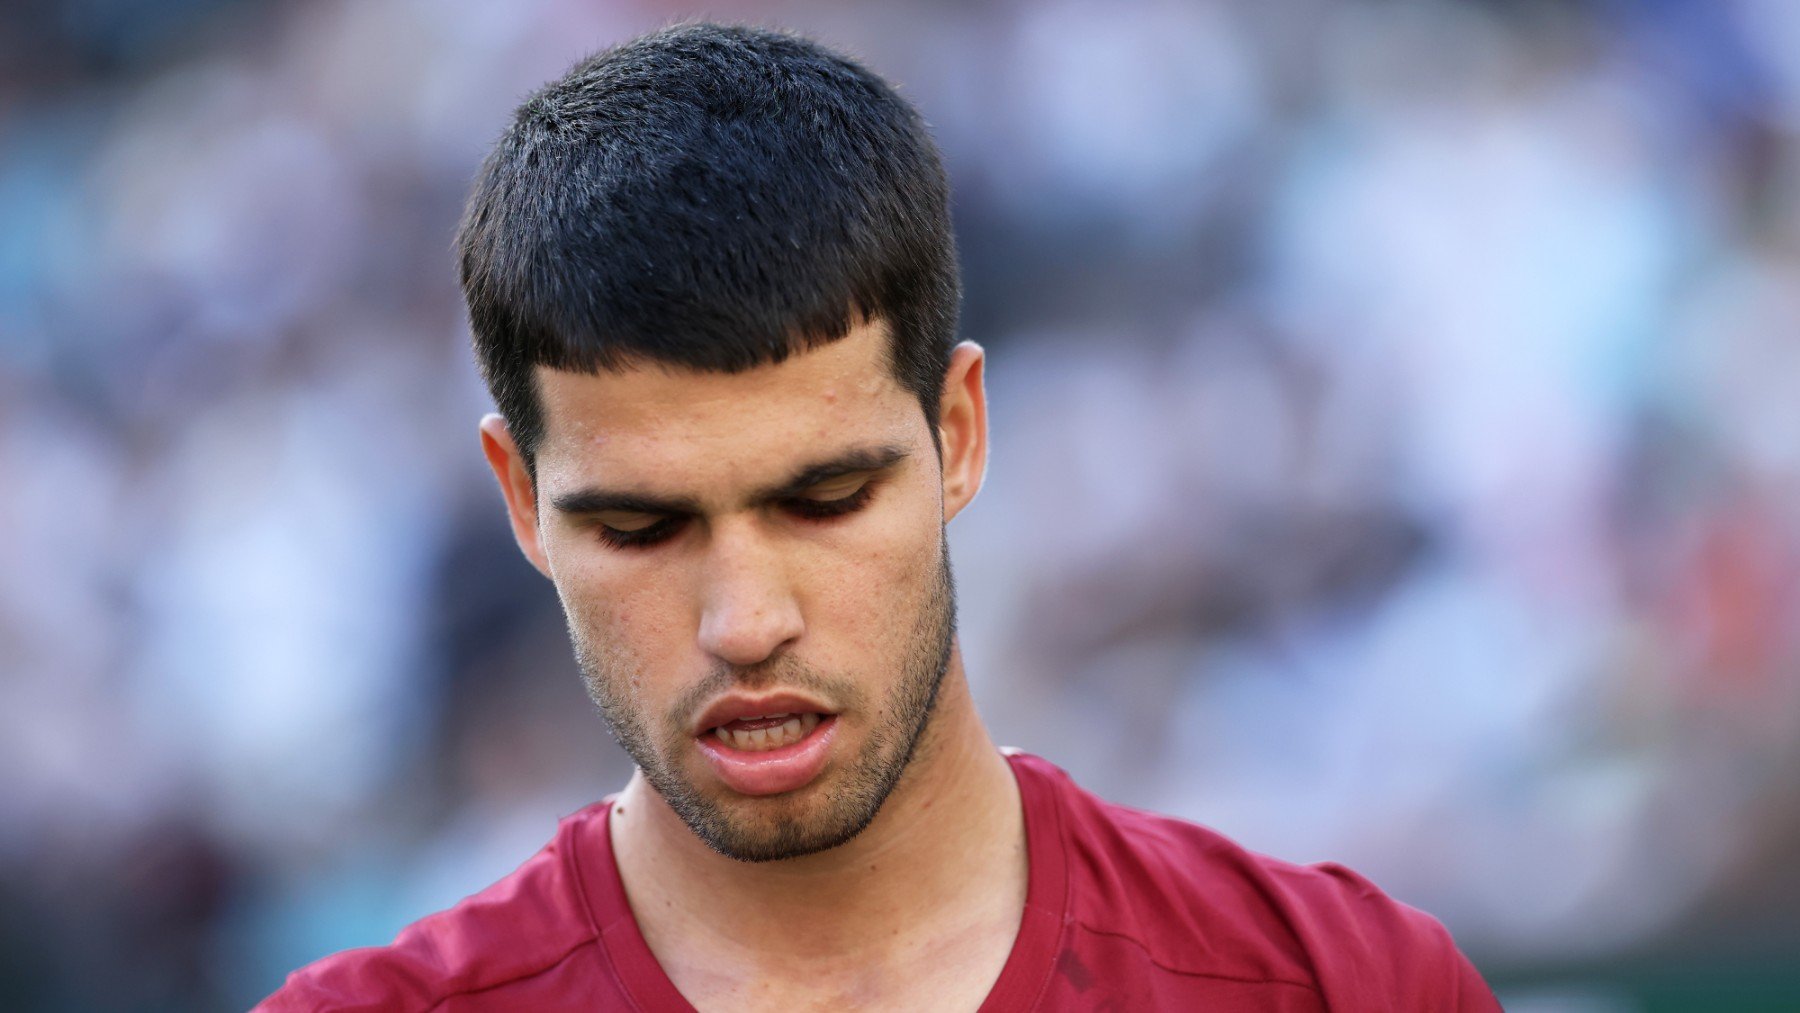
(749, 610)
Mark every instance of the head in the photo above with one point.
(713, 291)
(711, 197)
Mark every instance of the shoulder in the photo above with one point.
(1197, 903)
(525, 926)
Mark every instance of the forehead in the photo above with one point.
(656, 422)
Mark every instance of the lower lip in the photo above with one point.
(772, 771)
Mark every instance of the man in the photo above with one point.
(714, 293)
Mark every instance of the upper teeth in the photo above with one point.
(787, 733)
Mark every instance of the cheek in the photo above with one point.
(626, 623)
(878, 584)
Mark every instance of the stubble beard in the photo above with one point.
(764, 830)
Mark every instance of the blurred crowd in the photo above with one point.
(1396, 419)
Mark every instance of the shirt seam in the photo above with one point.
(580, 880)
(1068, 883)
(447, 996)
(582, 898)
(1151, 956)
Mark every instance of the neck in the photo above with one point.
(948, 843)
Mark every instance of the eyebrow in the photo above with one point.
(860, 459)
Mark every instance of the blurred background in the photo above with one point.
(1396, 419)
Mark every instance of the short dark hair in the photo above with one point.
(709, 196)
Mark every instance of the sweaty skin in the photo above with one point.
(749, 598)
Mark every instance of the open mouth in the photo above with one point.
(769, 754)
(769, 732)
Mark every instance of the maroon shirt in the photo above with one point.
(1125, 910)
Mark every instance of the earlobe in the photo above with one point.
(962, 427)
(508, 464)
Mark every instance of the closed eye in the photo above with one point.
(833, 497)
(629, 530)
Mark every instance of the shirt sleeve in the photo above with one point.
(355, 981)
(1373, 953)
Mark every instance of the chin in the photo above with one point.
(804, 822)
(823, 815)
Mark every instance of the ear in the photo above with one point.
(515, 484)
(962, 427)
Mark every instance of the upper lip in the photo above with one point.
(740, 705)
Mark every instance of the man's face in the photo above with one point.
(756, 582)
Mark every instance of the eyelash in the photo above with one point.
(641, 538)
(806, 509)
